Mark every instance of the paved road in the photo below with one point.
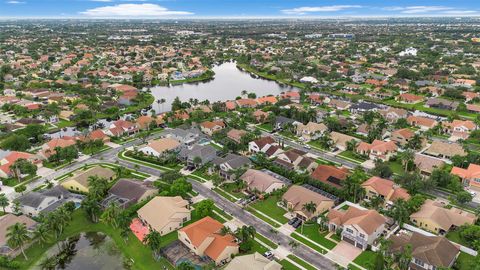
(324, 155)
(244, 216)
(302, 251)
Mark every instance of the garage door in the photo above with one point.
(348, 240)
(359, 245)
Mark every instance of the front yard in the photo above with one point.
(352, 155)
(270, 208)
(312, 232)
(366, 259)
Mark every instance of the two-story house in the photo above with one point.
(360, 226)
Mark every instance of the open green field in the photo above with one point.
(270, 208)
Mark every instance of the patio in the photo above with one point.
(177, 253)
(138, 229)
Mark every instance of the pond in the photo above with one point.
(85, 251)
(228, 83)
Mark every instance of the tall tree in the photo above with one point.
(17, 237)
(153, 240)
(3, 201)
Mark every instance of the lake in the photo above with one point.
(228, 83)
(85, 251)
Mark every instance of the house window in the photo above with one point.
(418, 262)
(349, 230)
(362, 235)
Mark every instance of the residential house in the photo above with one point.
(236, 135)
(281, 122)
(339, 104)
(362, 107)
(159, 147)
(260, 116)
(426, 164)
(203, 238)
(293, 96)
(49, 148)
(79, 181)
(423, 123)
(165, 214)
(434, 217)
(310, 131)
(297, 197)
(8, 220)
(185, 136)
(445, 150)
(255, 261)
(121, 127)
(295, 159)
(204, 153)
(409, 98)
(402, 136)
(441, 103)
(145, 122)
(393, 114)
(459, 129)
(469, 96)
(428, 252)
(8, 158)
(378, 149)
(263, 181)
(266, 100)
(44, 201)
(229, 164)
(470, 176)
(385, 189)
(360, 227)
(330, 175)
(261, 145)
(210, 127)
(340, 140)
(127, 192)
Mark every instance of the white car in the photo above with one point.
(473, 193)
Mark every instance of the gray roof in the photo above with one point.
(233, 160)
(283, 120)
(129, 189)
(197, 151)
(34, 199)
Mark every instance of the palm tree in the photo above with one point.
(41, 233)
(17, 237)
(153, 240)
(245, 233)
(110, 215)
(310, 207)
(405, 258)
(406, 157)
(400, 212)
(3, 201)
(225, 230)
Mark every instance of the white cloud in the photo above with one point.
(133, 10)
(436, 10)
(305, 10)
(13, 2)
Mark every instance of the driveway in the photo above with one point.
(344, 253)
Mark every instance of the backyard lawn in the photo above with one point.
(455, 237)
(132, 248)
(465, 262)
(396, 167)
(270, 208)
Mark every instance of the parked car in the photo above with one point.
(297, 223)
(268, 255)
(293, 220)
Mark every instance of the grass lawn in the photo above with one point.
(260, 216)
(352, 267)
(301, 262)
(132, 248)
(92, 151)
(351, 155)
(266, 241)
(266, 126)
(288, 265)
(224, 194)
(455, 237)
(396, 166)
(231, 188)
(64, 123)
(312, 232)
(270, 208)
(465, 262)
(366, 259)
(316, 145)
(221, 212)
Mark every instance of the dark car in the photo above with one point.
(297, 224)
(293, 220)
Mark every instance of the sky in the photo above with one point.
(178, 9)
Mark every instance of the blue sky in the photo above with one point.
(234, 8)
